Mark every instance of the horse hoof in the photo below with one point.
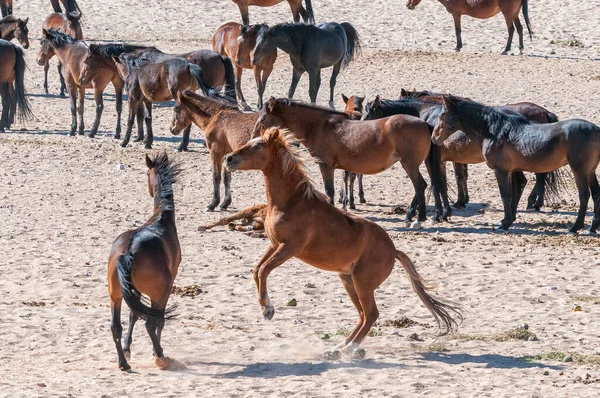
(590, 232)
(209, 208)
(138, 139)
(504, 52)
(416, 225)
(331, 105)
(117, 136)
(352, 207)
(162, 363)
(333, 355)
(363, 200)
(501, 230)
(125, 367)
(268, 312)
(90, 135)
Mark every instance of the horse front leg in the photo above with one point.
(148, 120)
(63, 84)
(328, 173)
(351, 190)
(511, 31)
(519, 182)
(73, 97)
(361, 191)
(243, 6)
(134, 106)
(314, 79)
(98, 98)
(332, 81)
(46, 68)
(217, 163)
(118, 84)
(6, 104)
(266, 72)
(227, 183)
(344, 189)
(185, 139)
(81, 109)
(504, 179)
(296, 75)
(238, 85)
(457, 30)
(139, 119)
(447, 213)
(282, 253)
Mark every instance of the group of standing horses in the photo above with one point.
(366, 138)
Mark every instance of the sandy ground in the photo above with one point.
(64, 199)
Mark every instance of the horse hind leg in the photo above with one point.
(361, 191)
(129, 337)
(351, 190)
(511, 31)
(332, 82)
(348, 284)
(583, 187)
(117, 332)
(5, 106)
(519, 27)
(535, 201)
(519, 182)
(595, 188)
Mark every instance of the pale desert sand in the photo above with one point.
(63, 200)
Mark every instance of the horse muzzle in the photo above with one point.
(230, 163)
(174, 130)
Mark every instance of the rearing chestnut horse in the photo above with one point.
(295, 5)
(300, 222)
(484, 9)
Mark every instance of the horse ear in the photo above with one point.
(345, 99)
(377, 100)
(403, 93)
(270, 135)
(149, 162)
(271, 104)
(116, 59)
(26, 20)
(447, 101)
(361, 99)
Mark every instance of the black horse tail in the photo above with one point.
(198, 75)
(526, 16)
(353, 46)
(310, 16)
(131, 295)
(434, 162)
(555, 183)
(229, 78)
(20, 99)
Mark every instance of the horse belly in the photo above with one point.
(263, 3)
(482, 9)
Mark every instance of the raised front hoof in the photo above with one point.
(332, 355)
(125, 367)
(268, 312)
(163, 363)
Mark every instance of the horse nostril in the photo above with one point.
(228, 159)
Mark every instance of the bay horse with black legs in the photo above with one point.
(361, 147)
(66, 23)
(354, 108)
(237, 42)
(145, 260)
(484, 9)
(512, 143)
(70, 6)
(301, 223)
(12, 85)
(12, 27)
(225, 129)
(72, 54)
(311, 48)
(295, 6)
(531, 111)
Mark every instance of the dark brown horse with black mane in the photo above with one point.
(145, 261)
(295, 5)
(361, 147)
(311, 48)
(66, 23)
(12, 27)
(512, 143)
(483, 9)
(12, 85)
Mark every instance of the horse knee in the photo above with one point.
(117, 330)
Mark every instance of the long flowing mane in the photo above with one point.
(60, 39)
(478, 118)
(286, 102)
(168, 172)
(115, 49)
(293, 162)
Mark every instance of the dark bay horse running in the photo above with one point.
(237, 42)
(66, 23)
(12, 27)
(300, 222)
(483, 9)
(295, 5)
(12, 85)
(72, 55)
(6, 7)
(354, 108)
(512, 143)
(459, 148)
(225, 129)
(311, 48)
(361, 147)
(145, 261)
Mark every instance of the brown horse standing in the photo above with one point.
(301, 223)
(11, 27)
(66, 23)
(225, 129)
(146, 260)
(483, 9)
(295, 5)
(237, 42)
(354, 108)
(6, 7)
(362, 147)
(12, 85)
(72, 55)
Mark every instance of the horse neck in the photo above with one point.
(64, 52)
(164, 203)
(281, 187)
(202, 115)
(286, 46)
(7, 30)
(477, 126)
(301, 119)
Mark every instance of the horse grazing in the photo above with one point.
(512, 143)
(361, 147)
(253, 219)
(70, 6)
(295, 5)
(12, 85)
(145, 260)
(301, 223)
(66, 23)
(237, 42)
(12, 27)
(311, 48)
(72, 54)
(225, 129)
(354, 108)
(484, 9)
(6, 7)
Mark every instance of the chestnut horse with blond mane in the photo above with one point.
(300, 222)
(484, 9)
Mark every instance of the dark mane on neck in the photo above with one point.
(9, 19)
(116, 49)
(168, 173)
(295, 31)
(60, 39)
(216, 101)
(299, 104)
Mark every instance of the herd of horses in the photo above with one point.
(419, 127)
